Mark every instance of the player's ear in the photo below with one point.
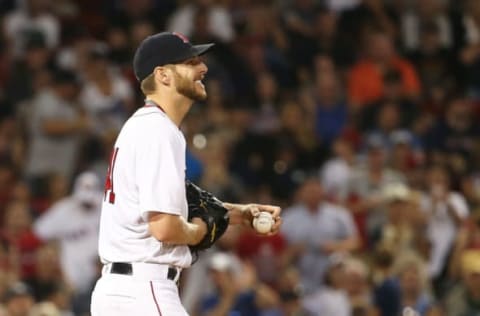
(163, 75)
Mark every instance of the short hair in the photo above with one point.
(148, 85)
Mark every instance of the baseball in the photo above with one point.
(263, 223)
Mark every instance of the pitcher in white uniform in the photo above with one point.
(144, 233)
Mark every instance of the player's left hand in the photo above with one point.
(244, 214)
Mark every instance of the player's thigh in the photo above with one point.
(114, 295)
(165, 298)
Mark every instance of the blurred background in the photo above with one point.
(358, 117)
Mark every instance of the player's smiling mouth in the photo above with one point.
(199, 81)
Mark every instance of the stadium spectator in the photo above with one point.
(423, 14)
(73, 222)
(331, 299)
(445, 212)
(365, 194)
(452, 139)
(219, 19)
(315, 229)
(412, 276)
(18, 300)
(19, 239)
(106, 96)
(358, 287)
(463, 299)
(331, 115)
(28, 70)
(366, 79)
(48, 282)
(34, 17)
(55, 129)
(336, 172)
(237, 289)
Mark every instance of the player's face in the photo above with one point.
(188, 79)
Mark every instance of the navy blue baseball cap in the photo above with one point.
(162, 49)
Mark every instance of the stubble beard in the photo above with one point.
(188, 88)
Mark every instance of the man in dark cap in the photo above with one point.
(145, 234)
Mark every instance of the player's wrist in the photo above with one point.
(200, 230)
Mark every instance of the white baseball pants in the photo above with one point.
(146, 292)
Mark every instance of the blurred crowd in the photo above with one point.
(356, 116)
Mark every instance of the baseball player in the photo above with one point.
(145, 236)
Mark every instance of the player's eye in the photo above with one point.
(193, 61)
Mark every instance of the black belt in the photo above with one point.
(126, 269)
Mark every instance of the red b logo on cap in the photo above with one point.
(181, 36)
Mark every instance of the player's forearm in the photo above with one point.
(174, 229)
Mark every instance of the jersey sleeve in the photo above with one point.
(160, 174)
(48, 226)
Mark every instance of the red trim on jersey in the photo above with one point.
(151, 104)
(155, 299)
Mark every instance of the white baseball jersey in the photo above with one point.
(146, 173)
(77, 231)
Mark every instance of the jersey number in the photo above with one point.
(108, 191)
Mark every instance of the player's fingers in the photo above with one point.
(276, 226)
(254, 210)
(274, 210)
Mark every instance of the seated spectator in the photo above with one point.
(267, 254)
(366, 189)
(464, 299)
(267, 116)
(386, 290)
(358, 287)
(469, 55)
(335, 174)
(48, 283)
(315, 229)
(424, 13)
(106, 96)
(220, 22)
(18, 237)
(331, 110)
(238, 292)
(366, 78)
(388, 120)
(452, 139)
(26, 68)
(434, 63)
(467, 238)
(290, 292)
(415, 293)
(18, 300)
(196, 282)
(331, 299)
(35, 16)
